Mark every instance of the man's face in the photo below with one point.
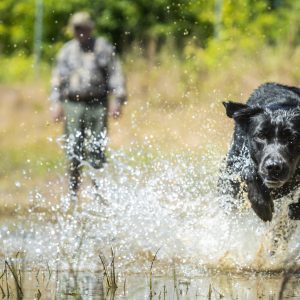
(82, 33)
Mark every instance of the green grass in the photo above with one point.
(20, 68)
(37, 158)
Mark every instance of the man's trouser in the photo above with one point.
(85, 131)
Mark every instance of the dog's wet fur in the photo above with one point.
(265, 151)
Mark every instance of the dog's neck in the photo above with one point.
(297, 174)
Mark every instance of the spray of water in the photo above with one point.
(146, 201)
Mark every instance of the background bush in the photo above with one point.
(205, 24)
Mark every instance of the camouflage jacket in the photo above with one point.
(87, 74)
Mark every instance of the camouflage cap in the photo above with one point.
(81, 19)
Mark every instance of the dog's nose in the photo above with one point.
(274, 167)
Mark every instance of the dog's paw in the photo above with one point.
(294, 211)
(263, 209)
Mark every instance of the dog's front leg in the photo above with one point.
(260, 199)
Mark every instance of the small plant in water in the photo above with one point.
(16, 271)
(151, 275)
(109, 273)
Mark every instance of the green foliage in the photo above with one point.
(247, 27)
(20, 68)
(17, 68)
(219, 26)
(16, 27)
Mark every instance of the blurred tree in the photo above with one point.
(16, 26)
(150, 24)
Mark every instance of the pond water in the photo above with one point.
(149, 204)
(63, 285)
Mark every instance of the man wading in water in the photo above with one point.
(86, 73)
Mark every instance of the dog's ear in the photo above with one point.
(232, 107)
(241, 112)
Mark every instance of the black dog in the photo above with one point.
(265, 152)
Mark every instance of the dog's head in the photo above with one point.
(273, 135)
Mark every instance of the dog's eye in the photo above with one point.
(260, 136)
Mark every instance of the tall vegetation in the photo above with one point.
(212, 24)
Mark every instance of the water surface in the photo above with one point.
(148, 203)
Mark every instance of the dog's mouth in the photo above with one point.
(274, 179)
(271, 183)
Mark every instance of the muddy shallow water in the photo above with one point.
(147, 204)
(86, 285)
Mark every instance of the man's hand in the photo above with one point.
(115, 109)
(57, 112)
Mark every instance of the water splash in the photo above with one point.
(144, 202)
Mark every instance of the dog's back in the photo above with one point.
(274, 93)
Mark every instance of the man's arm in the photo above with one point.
(58, 80)
(55, 97)
(116, 85)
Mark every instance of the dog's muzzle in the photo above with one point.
(274, 172)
